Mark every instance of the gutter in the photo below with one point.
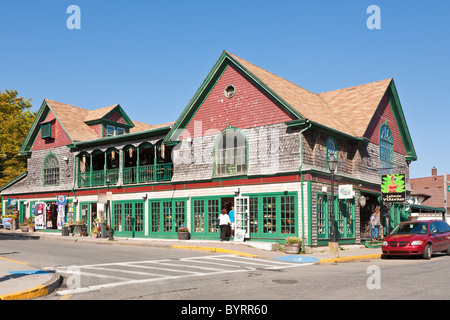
(301, 175)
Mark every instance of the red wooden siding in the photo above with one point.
(59, 136)
(383, 113)
(248, 108)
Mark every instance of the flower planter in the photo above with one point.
(183, 235)
(292, 248)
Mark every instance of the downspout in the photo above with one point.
(301, 179)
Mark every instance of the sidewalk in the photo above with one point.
(21, 281)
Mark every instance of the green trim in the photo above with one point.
(391, 164)
(121, 138)
(129, 224)
(46, 130)
(14, 181)
(310, 233)
(43, 170)
(397, 109)
(166, 224)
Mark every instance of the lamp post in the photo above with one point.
(108, 210)
(333, 243)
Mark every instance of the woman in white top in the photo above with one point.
(224, 222)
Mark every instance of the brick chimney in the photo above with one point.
(434, 171)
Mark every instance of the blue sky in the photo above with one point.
(151, 56)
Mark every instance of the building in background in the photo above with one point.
(430, 196)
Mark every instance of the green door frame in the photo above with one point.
(166, 216)
(344, 208)
(269, 215)
(128, 218)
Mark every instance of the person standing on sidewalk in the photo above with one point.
(231, 215)
(373, 226)
(224, 222)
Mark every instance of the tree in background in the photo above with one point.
(15, 121)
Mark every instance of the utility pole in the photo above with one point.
(446, 190)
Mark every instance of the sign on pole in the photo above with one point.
(393, 188)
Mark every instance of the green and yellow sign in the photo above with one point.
(393, 188)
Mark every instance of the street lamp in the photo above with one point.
(333, 243)
(108, 209)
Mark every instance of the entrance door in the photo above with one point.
(128, 218)
(242, 219)
(205, 212)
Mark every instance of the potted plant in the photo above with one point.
(31, 227)
(24, 227)
(27, 225)
(94, 232)
(183, 233)
(292, 245)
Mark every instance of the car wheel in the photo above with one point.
(428, 251)
(448, 250)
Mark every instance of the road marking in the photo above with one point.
(14, 261)
(225, 264)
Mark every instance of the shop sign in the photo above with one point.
(61, 200)
(393, 188)
(346, 191)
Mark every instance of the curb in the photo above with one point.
(36, 292)
(213, 249)
(350, 259)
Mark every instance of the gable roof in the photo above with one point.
(74, 122)
(345, 111)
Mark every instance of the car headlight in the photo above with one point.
(385, 243)
(416, 243)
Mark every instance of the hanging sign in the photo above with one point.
(393, 188)
(346, 191)
(61, 200)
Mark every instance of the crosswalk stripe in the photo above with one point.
(209, 266)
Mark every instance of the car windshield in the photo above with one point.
(411, 228)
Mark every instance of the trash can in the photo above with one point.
(65, 231)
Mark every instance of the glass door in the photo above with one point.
(128, 218)
(205, 212)
(242, 218)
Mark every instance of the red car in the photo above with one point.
(418, 238)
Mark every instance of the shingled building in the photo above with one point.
(247, 138)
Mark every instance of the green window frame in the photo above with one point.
(46, 130)
(204, 214)
(273, 215)
(166, 216)
(386, 150)
(344, 215)
(128, 217)
(231, 153)
(50, 171)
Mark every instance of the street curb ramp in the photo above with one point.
(36, 292)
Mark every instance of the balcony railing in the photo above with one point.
(97, 178)
(131, 175)
(150, 173)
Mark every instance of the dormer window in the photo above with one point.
(112, 131)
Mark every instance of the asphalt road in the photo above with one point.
(111, 272)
